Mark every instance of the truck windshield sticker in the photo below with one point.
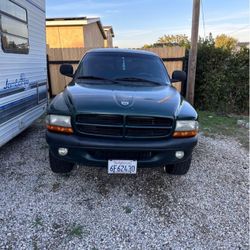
(21, 82)
(123, 64)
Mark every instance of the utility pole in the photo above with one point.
(193, 51)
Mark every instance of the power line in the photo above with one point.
(242, 28)
(203, 18)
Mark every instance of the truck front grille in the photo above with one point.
(123, 126)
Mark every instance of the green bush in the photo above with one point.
(222, 78)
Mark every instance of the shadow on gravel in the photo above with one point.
(151, 185)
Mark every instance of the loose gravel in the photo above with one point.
(89, 209)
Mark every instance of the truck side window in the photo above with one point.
(14, 28)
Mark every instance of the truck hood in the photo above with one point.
(113, 99)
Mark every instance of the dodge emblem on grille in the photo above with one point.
(124, 101)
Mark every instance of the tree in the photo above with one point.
(147, 46)
(222, 78)
(225, 42)
(181, 40)
(170, 40)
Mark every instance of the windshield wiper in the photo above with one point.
(96, 78)
(137, 79)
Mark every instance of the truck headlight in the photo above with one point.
(59, 123)
(186, 128)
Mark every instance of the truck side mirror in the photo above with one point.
(67, 70)
(179, 76)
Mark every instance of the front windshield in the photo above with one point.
(117, 66)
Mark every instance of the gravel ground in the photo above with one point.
(88, 209)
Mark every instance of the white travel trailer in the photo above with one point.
(23, 74)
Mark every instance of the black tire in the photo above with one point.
(178, 168)
(59, 166)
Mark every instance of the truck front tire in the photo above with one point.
(59, 166)
(178, 168)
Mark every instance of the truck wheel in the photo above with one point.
(178, 168)
(59, 166)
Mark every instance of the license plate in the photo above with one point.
(122, 167)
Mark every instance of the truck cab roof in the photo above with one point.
(117, 50)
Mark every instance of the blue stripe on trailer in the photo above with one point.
(12, 104)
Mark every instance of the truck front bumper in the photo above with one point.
(97, 152)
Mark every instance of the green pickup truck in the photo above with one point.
(121, 112)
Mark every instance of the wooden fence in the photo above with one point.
(173, 58)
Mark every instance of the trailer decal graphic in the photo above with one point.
(21, 82)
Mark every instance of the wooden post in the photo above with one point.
(193, 52)
(49, 77)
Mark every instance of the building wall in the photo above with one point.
(108, 43)
(65, 36)
(92, 36)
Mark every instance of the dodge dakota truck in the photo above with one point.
(121, 112)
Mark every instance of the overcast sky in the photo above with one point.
(139, 22)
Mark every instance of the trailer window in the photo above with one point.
(14, 27)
